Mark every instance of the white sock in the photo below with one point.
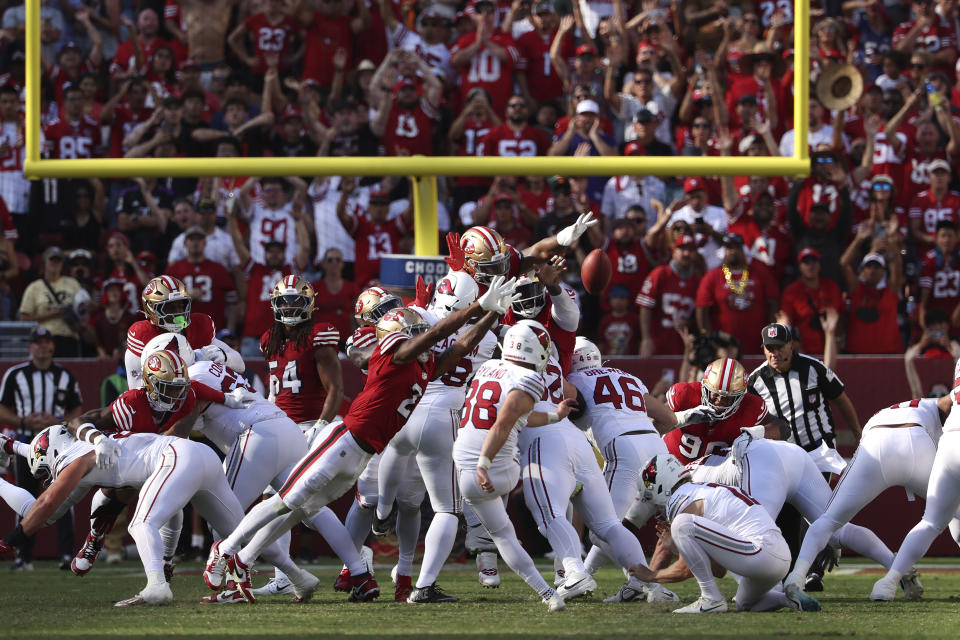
(196, 540)
(408, 532)
(693, 554)
(155, 578)
(565, 543)
(257, 518)
(326, 523)
(358, 522)
(437, 546)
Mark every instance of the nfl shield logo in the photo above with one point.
(772, 332)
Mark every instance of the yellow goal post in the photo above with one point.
(424, 168)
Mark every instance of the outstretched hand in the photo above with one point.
(424, 292)
(456, 259)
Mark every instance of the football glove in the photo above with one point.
(211, 352)
(569, 235)
(239, 398)
(500, 296)
(700, 413)
(313, 432)
(457, 258)
(106, 451)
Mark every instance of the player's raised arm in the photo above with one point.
(496, 302)
(548, 247)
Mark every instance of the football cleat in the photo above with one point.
(704, 605)
(20, 565)
(577, 584)
(303, 586)
(633, 590)
(910, 583)
(799, 599)
(487, 570)
(168, 567)
(365, 590)
(382, 527)
(559, 577)
(658, 593)
(430, 593)
(556, 603)
(240, 573)
(228, 596)
(151, 595)
(87, 555)
(884, 590)
(216, 567)
(342, 583)
(814, 582)
(403, 588)
(278, 586)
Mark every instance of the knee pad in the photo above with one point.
(683, 525)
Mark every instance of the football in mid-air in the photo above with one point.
(596, 272)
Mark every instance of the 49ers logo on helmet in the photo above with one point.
(154, 363)
(445, 287)
(468, 246)
(150, 288)
(394, 315)
(357, 308)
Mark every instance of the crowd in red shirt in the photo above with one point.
(867, 244)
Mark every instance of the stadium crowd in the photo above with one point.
(863, 251)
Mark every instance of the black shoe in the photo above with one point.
(814, 582)
(65, 563)
(383, 527)
(432, 593)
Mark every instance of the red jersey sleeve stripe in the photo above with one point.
(392, 340)
(122, 415)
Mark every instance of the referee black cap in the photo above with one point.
(39, 333)
(775, 335)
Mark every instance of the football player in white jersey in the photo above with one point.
(261, 445)
(942, 490)
(620, 413)
(557, 459)
(716, 524)
(427, 439)
(775, 472)
(169, 472)
(897, 448)
(498, 405)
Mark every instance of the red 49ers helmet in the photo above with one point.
(726, 378)
(484, 254)
(166, 303)
(292, 300)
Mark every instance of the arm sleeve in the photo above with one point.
(207, 394)
(131, 363)
(565, 311)
(831, 384)
(234, 360)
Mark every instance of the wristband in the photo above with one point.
(16, 537)
(84, 430)
(483, 462)
(553, 417)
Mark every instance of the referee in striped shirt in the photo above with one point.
(33, 396)
(800, 390)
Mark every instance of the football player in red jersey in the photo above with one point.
(305, 376)
(711, 413)
(399, 369)
(559, 313)
(482, 253)
(166, 303)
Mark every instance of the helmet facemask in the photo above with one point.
(291, 308)
(484, 272)
(173, 315)
(532, 299)
(726, 406)
(168, 396)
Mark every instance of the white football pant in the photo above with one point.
(188, 472)
(320, 477)
(759, 564)
(492, 511)
(363, 510)
(264, 456)
(897, 457)
(556, 462)
(943, 500)
(426, 442)
(624, 458)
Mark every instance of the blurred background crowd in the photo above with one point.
(861, 257)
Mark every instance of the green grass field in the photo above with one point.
(50, 603)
